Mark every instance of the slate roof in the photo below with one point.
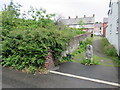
(73, 21)
(98, 25)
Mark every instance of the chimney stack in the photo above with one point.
(84, 16)
(69, 17)
(76, 16)
(93, 15)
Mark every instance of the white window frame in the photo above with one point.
(111, 29)
(117, 26)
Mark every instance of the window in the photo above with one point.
(117, 25)
(100, 28)
(110, 28)
(111, 11)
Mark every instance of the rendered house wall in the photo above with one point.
(111, 32)
(119, 26)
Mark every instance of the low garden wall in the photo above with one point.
(72, 46)
(74, 43)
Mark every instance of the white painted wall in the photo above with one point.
(97, 31)
(119, 26)
(75, 26)
(111, 31)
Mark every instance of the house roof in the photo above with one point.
(98, 25)
(73, 21)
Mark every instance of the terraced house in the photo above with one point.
(84, 22)
(113, 28)
(98, 30)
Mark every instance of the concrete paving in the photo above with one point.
(16, 79)
(94, 71)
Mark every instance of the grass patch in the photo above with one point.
(116, 61)
(82, 46)
(80, 50)
(110, 51)
(90, 62)
(96, 61)
(108, 48)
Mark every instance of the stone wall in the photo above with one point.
(49, 62)
(72, 46)
(74, 43)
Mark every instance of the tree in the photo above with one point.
(40, 15)
(81, 23)
(58, 21)
(58, 18)
(10, 14)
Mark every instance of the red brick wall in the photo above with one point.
(104, 29)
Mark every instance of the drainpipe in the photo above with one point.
(119, 28)
(119, 38)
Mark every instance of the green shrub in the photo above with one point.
(25, 48)
(32, 69)
(90, 62)
(108, 48)
(82, 46)
(25, 42)
(110, 51)
(85, 62)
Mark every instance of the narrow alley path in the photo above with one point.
(97, 46)
(105, 71)
(99, 52)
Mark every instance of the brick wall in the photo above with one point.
(104, 29)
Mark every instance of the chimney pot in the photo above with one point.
(69, 17)
(84, 16)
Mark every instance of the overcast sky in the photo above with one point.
(67, 8)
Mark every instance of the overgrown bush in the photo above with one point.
(10, 15)
(90, 62)
(111, 51)
(108, 48)
(23, 48)
(26, 41)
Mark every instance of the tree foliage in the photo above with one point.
(10, 14)
(26, 40)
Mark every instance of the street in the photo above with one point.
(16, 79)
